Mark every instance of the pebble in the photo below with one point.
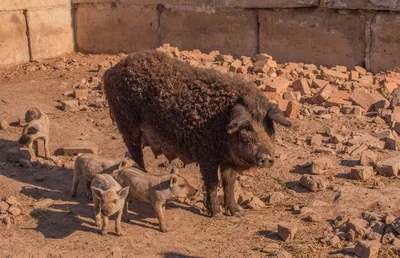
(287, 231)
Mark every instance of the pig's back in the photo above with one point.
(105, 182)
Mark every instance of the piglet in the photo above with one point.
(108, 198)
(154, 189)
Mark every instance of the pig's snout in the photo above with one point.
(265, 161)
(23, 140)
(105, 211)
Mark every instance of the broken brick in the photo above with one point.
(354, 75)
(235, 65)
(272, 96)
(316, 140)
(384, 134)
(69, 105)
(323, 95)
(392, 144)
(389, 167)
(368, 158)
(387, 88)
(283, 104)
(320, 164)
(313, 183)
(278, 85)
(293, 109)
(340, 94)
(361, 172)
(287, 231)
(317, 83)
(332, 76)
(81, 94)
(302, 85)
(367, 249)
(362, 99)
(361, 70)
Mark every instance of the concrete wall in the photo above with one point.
(34, 29)
(326, 32)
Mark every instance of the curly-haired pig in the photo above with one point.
(88, 165)
(108, 199)
(154, 189)
(195, 114)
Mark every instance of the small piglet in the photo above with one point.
(154, 189)
(87, 166)
(108, 198)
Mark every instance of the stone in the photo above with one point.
(368, 158)
(354, 75)
(25, 163)
(287, 231)
(256, 204)
(379, 98)
(362, 99)
(396, 127)
(283, 104)
(389, 167)
(100, 31)
(388, 238)
(361, 172)
(76, 147)
(69, 165)
(42, 204)
(334, 110)
(238, 27)
(313, 31)
(334, 241)
(387, 88)
(357, 111)
(264, 66)
(367, 249)
(4, 207)
(337, 102)
(384, 134)
(358, 226)
(50, 32)
(322, 95)
(373, 236)
(340, 94)
(292, 95)
(396, 225)
(384, 53)
(318, 84)
(301, 85)
(337, 138)
(11, 200)
(316, 140)
(332, 75)
(293, 109)
(275, 197)
(392, 144)
(14, 47)
(273, 96)
(14, 210)
(377, 226)
(81, 94)
(320, 164)
(3, 124)
(16, 153)
(69, 105)
(245, 197)
(361, 70)
(278, 85)
(313, 183)
(389, 219)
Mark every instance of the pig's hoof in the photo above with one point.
(120, 234)
(164, 230)
(238, 214)
(126, 220)
(218, 216)
(103, 233)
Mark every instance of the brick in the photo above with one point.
(320, 164)
(17, 153)
(387, 88)
(340, 94)
(9, 5)
(396, 225)
(384, 134)
(50, 32)
(273, 96)
(389, 167)
(361, 70)
(317, 83)
(381, 104)
(287, 231)
(337, 102)
(235, 65)
(368, 158)
(106, 29)
(323, 95)
(332, 75)
(361, 4)
(76, 147)
(396, 127)
(385, 52)
(13, 43)
(362, 99)
(69, 105)
(81, 94)
(357, 111)
(230, 31)
(361, 172)
(278, 85)
(292, 95)
(293, 109)
(392, 144)
(283, 104)
(324, 36)
(302, 85)
(313, 183)
(256, 204)
(354, 75)
(367, 249)
(378, 97)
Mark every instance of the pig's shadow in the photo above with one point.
(269, 234)
(177, 255)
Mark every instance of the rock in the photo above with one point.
(7, 221)
(318, 84)
(283, 104)
(368, 158)
(387, 88)
(293, 109)
(389, 219)
(235, 65)
(69, 165)
(392, 144)
(367, 249)
(256, 204)
(42, 204)
(396, 225)
(301, 85)
(334, 110)
(313, 217)
(81, 94)
(12, 200)
(278, 85)
(384, 134)
(313, 183)
(76, 147)
(388, 238)
(322, 95)
(3, 124)
(287, 231)
(25, 163)
(378, 227)
(14, 210)
(358, 226)
(337, 138)
(361, 172)
(320, 164)
(274, 96)
(17, 153)
(332, 76)
(275, 197)
(316, 140)
(371, 216)
(389, 167)
(354, 75)
(3, 207)
(362, 99)
(245, 197)
(361, 70)
(334, 241)
(374, 236)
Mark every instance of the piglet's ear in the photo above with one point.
(123, 193)
(174, 171)
(33, 129)
(173, 180)
(97, 192)
(239, 118)
(276, 115)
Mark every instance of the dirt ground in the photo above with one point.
(54, 224)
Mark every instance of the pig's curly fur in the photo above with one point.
(189, 106)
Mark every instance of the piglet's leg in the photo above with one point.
(118, 223)
(46, 148)
(88, 190)
(126, 210)
(97, 214)
(158, 208)
(228, 175)
(105, 225)
(210, 177)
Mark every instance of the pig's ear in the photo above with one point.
(128, 155)
(97, 192)
(276, 115)
(33, 129)
(122, 165)
(174, 171)
(123, 193)
(239, 118)
(173, 180)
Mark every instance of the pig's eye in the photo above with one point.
(182, 186)
(115, 201)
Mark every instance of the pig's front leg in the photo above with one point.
(228, 175)
(158, 208)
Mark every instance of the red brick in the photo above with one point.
(302, 85)
(389, 167)
(392, 144)
(378, 98)
(384, 134)
(81, 94)
(323, 95)
(361, 172)
(283, 104)
(340, 94)
(387, 88)
(263, 66)
(367, 249)
(278, 85)
(293, 109)
(354, 75)
(317, 83)
(273, 96)
(368, 158)
(331, 75)
(235, 65)
(362, 99)
(361, 70)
